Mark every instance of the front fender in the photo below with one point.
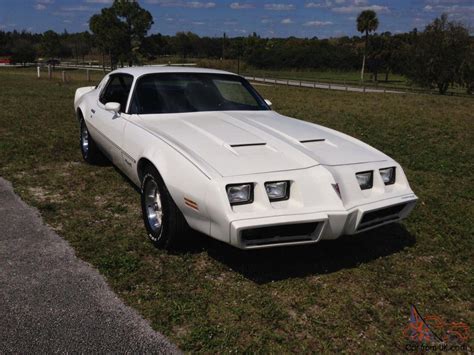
(79, 95)
(183, 179)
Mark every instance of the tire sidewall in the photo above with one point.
(85, 155)
(158, 238)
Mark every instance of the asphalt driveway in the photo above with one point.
(51, 301)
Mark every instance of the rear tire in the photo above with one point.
(89, 149)
(166, 226)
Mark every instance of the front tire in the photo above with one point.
(89, 149)
(164, 222)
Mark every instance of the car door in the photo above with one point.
(110, 125)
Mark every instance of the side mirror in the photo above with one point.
(268, 102)
(112, 106)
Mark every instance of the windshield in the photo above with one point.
(194, 92)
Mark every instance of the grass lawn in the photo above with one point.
(340, 77)
(352, 294)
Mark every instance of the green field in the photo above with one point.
(353, 294)
(345, 78)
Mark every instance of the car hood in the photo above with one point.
(247, 142)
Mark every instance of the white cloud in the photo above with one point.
(179, 3)
(317, 23)
(198, 23)
(199, 5)
(286, 21)
(41, 4)
(351, 9)
(458, 10)
(67, 21)
(279, 7)
(448, 2)
(266, 20)
(315, 5)
(76, 8)
(240, 6)
(99, 1)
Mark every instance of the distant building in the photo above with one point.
(5, 60)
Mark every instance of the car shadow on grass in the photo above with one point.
(280, 263)
(274, 264)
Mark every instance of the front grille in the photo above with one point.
(372, 218)
(286, 233)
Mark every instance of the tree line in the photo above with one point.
(437, 57)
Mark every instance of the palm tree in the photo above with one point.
(367, 22)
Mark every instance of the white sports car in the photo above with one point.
(208, 153)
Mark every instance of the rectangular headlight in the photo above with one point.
(365, 179)
(278, 190)
(240, 194)
(388, 175)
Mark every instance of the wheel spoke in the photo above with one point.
(153, 205)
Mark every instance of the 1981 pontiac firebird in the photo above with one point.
(208, 153)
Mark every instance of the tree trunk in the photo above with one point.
(365, 55)
(442, 88)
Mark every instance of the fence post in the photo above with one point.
(88, 75)
(38, 71)
(364, 89)
(50, 74)
(329, 86)
(300, 83)
(63, 73)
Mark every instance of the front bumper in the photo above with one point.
(310, 228)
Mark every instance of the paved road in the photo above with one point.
(50, 301)
(315, 85)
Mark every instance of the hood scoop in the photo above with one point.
(313, 140)
(246, 145)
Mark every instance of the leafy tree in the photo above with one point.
(439, 53)
(121, 29)
(467, 70)
(23, 52)
(367, 22)
(183, 43)
(50, 45)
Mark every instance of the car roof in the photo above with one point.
(156, 69)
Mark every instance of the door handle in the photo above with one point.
(92, 110)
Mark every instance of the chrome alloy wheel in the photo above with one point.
(154, 211)
(84, 139)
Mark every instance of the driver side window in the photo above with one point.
(117, 90)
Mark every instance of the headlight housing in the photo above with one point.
(388, 175)
(240, 194)
(365, 179)
(278, 190)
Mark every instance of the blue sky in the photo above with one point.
(269, 18)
